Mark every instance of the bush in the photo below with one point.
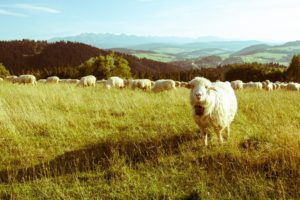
(3, 71)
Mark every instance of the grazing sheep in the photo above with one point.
(86, 81)
(267, 85)
(214, 105)
(237, 84)
(163, 85)
(114, 81)
(1, 79)
(254, 85)
(42, 81)
(72, 81)
(25, 79)
(10, 78)
(293, 86)
(52, 79)
(177, 83)
(144, 84)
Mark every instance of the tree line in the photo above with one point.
(74, 60)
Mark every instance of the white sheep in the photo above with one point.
(85, 81)
(144, 84)
(237, 84)
(72, 81)
(254, 85)
(163, 85)
(293, 86)
(10, 78)
(25, 79)
(52, 79)
(214, 105)
(1, 79)
(42, 81)
(268, 85)
(114, 81)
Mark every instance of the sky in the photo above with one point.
(267, 20)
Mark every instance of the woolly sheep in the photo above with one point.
(237, 84)
(254, 85)
(214, 105)
(1, 79)
(114, 81)
(72, 81)
(89, 80)
(25, 79)
(52, 79)
(293, 86)
(163, 85)
(267, 85)
(144, 84)
(42, 81)
(10, 78)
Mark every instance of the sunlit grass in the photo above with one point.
(67, 142)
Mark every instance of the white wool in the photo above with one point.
(237, 84)
(144, 84)
(85, 81)
(267, 85)
(10, 78)
(114, 81)
(25, 79)
(53, 79)
(254, 85)
(42, 81)
(293, 86)
(164, 85)
(218, 102)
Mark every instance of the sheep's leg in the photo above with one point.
(227, 132)
(221, 136)
(205, 139)
(204, 132)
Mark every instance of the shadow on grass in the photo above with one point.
(99, 156)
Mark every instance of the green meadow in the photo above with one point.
(68, 142)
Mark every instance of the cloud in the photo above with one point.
(31, 7)
(9, 13)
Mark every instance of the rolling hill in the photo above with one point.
(164, 49)
(281, 54)
(25, 56)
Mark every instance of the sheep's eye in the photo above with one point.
(206, 87)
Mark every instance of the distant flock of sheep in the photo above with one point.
(146, 84)
(213, 104)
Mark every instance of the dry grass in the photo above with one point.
(65, 142)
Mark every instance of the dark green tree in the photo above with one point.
(293, 72)
(3, 71)
(106, 66)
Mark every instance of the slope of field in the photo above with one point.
(66, 142)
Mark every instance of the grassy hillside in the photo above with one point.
(65, 142)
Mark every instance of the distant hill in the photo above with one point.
(33, 56)
(163, 49)
(108, 40)
(281, 54)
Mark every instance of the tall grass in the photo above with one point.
(67, 142)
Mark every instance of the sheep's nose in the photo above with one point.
(198, 95)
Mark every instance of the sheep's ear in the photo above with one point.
(212, 88)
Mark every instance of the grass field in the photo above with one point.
(65, 142)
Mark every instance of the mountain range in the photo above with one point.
(191, 50)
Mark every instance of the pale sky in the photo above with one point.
(268, 20)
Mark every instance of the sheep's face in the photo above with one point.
(199, 95)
